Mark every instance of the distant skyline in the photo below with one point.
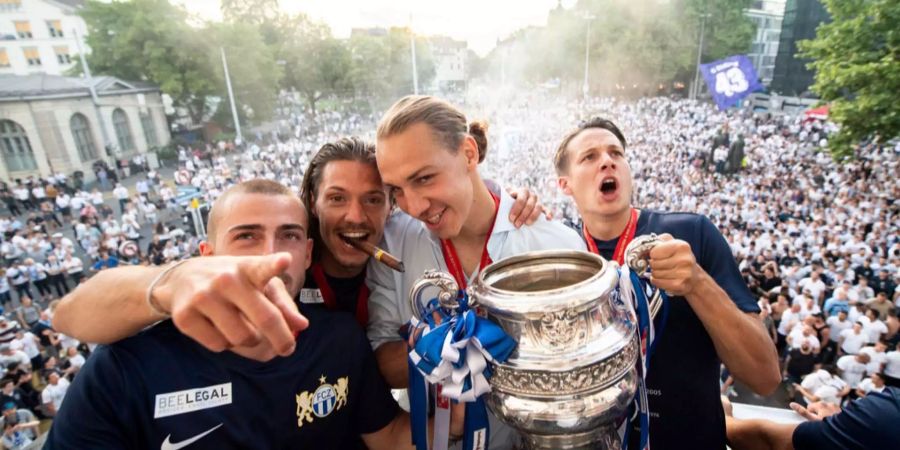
(478, 22)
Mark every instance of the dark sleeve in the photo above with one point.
(867, 423)
(93, 415)
(375, 407)
(717, 260)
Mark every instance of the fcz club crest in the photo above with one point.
(321, 402)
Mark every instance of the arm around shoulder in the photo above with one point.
(108, 307)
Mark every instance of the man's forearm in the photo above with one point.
(392, 361)
(108, 307)
(740, 339)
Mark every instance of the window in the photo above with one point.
(149, 130)
(14, 146)
(4, 58)
(84, 140)
(123, 131)
(55, 28)
(23, 29)
(62, 55)
(32, 56)
(10, 5)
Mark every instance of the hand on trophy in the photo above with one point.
(673, 266)
(230, 301)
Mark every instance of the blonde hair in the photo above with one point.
(447, 123)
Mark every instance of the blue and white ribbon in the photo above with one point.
(455, 353)
(633, 289)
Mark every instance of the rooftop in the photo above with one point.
(39, 85)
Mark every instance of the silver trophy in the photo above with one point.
(574, 372)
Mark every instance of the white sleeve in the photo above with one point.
(811, 381)
(384, 305)
(843, 362)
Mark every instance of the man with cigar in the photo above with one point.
(344, 193)
(711, 314)
(161, 388)
(346, 199)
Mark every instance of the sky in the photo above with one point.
(478, 22)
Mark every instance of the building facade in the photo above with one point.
(51, 123)
(801, 18)
(39, 36)
(449, 63)
(767, 16)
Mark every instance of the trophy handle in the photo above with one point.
(637, 257)
(449, 291)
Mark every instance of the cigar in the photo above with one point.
(377, 253)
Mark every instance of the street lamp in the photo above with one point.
(695, 88)
(587, 51)
(412, 49)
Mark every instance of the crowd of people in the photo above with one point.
(817, 240)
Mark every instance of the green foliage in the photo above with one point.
(150, 40)
(856, 59)
(251, 64)
(250, 12)
(635, 42)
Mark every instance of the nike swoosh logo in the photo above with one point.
(166, 445)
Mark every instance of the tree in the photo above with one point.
(252, 68)
(316, 64)
(150, 40)
(370, 68)
(856, 59)
(400, 62)
(636, 43)
(250, 12)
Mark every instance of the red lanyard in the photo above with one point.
(362, 299)
(452, 259)
(624, 239)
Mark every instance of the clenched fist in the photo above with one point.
(673, 266)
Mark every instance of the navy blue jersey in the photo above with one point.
(868, 423)
(683, 381)
(346, 290)
(160, 389)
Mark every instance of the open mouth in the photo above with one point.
(433, 220)
(348, 236)
(608, 186)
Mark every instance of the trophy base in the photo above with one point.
(603, 438)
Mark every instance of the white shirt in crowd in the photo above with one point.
(788, 320)
(815, 287)
(55, 394)
(825, 386)
(867, 386)
(796, 339)
(875, 329)
(836, 326)
(876, 359)
(28, 344)
(74, 265)
(853, 342)
(77, 361)
(852, 371)
(17, 356)
(121, 192)
(892, 364)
